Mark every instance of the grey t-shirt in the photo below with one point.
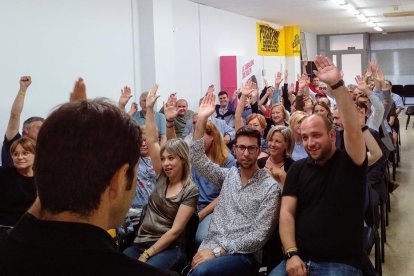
(161, 211)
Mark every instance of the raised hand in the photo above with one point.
(207, 106)
(373, 65)
(152, 96)
(125, 96)
(248, 88)
(133, 109)
(170, 108)
(210, 89)
(303, 82)
(25, 82)
(79, 91)
(327, 71)
(362, 84)
(379, 76)
(286, 74)
(278, 79)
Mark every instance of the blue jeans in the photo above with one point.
(173, 257)
(202, 229)
(320, 269)
(234, 264)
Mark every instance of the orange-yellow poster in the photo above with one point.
(277, 42)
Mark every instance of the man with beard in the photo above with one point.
(246, 212)
(321, 216)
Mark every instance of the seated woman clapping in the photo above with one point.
(17, 188)
(280, 142)
(160, 240)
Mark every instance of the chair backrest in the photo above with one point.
(408, 90)
(397, 89)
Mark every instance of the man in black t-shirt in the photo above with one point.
(321, 216)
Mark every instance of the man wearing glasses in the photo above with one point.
(246, 213)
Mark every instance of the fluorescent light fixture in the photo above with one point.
(370, 23)
(379, 29)
(341, 2)
(352, 9)
(362, 17)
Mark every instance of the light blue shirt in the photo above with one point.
(220, 124)
(299, 152)
(140, 119)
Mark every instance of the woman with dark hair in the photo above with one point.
(17, 188)
(323, 109)
(160, 240)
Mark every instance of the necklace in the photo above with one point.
(277, 164)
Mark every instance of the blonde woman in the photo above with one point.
(217, 151)
(296, 119)
(280, 142)
(160, 241)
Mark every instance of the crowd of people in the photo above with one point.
(287, 167)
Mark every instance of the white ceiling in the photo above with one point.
(322, 16)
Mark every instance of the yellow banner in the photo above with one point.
(277, 42)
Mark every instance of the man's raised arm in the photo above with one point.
(354, 140)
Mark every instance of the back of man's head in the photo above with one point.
(79, 149)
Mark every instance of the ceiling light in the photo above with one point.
(362, 17)
(341, 2)
(370, 23)
(352, 9)
(379, 29)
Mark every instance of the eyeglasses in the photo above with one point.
(323, 88)
(18, 154)
(242, 148)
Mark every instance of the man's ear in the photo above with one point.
(25, 131)
(118, 182)
(332, 135)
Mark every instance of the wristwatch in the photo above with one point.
(290, 254)
(217, 252)
(337, 85)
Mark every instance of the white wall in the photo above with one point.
(311, 45)
(56, 42)
(112, 43)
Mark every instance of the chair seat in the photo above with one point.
(410, 110)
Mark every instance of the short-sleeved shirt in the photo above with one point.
(329, 217)
(146, 179)
(140, 119)
(162, 210)
(6, 159)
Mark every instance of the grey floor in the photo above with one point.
(399, 248)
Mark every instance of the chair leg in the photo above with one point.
(383, 231)
(378, 264)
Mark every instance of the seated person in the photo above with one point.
(280, 143)
(30, 127)
(17, 188)
(85, 185)
(219, 154)
(225, 110)
(246, 211)
(160, 240)
(295, 121)
(140, 119)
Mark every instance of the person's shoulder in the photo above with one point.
(261, 162)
